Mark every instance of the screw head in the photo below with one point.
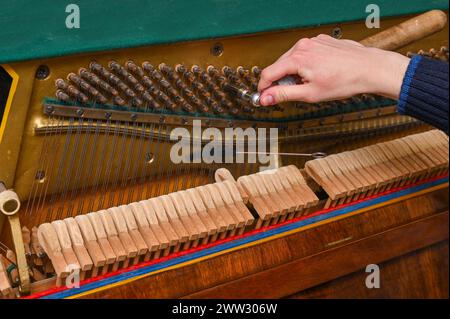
(80, 112)
(40, 176)
(133, 117)
(49, 109)
(149, 158)
(42, 72)
(217, 49)
(336, 33)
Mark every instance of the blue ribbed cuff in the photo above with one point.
(409, 74)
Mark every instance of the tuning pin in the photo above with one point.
(97, 68)
(189, 76)
(167, 71)
(199, 105)
(117, 100)
(61, 84)
(82, 84)
(168, 104)
(86, 87)
(218, 109)
(71, 91)
(196, 70)
(150, 101)
(96, 81)
(246, 108)
(233, 110)
(187, 107)
(137, 102)
(256, 71)
(148, 67)
(134, 68)
(180, 68)
(61, 95)
(227, 71)
(220, 80)
(122, 72)
(226, 104)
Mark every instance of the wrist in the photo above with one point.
(388, 72)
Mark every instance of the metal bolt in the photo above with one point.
(108, 115)
(133, 117)
(40, 176)
(217, 49)
(162, 119)
(80, 112)
(42, 72)
(49, 109)
(149, 158)
(336, 33)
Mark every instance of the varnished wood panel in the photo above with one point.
(312, 270)
(420, 274)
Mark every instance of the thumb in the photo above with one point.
(283, 93)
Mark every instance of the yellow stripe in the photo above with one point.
(287, 233)
(12, 91)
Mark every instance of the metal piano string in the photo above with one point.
(43, 170)
(80, 177)
(60, 169)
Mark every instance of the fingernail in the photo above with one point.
(267, 100)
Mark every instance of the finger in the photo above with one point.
(283, 93)
(287, 53)
(276, 71)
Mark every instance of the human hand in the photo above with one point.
(332, 69)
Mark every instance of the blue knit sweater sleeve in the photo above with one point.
(424, 92)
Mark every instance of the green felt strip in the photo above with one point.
(348, 108)
(37, 29)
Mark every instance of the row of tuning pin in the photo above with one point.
(156, 88)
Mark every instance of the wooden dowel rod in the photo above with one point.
(408, 31)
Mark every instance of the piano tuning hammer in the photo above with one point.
(242, 93)
(253, 97)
